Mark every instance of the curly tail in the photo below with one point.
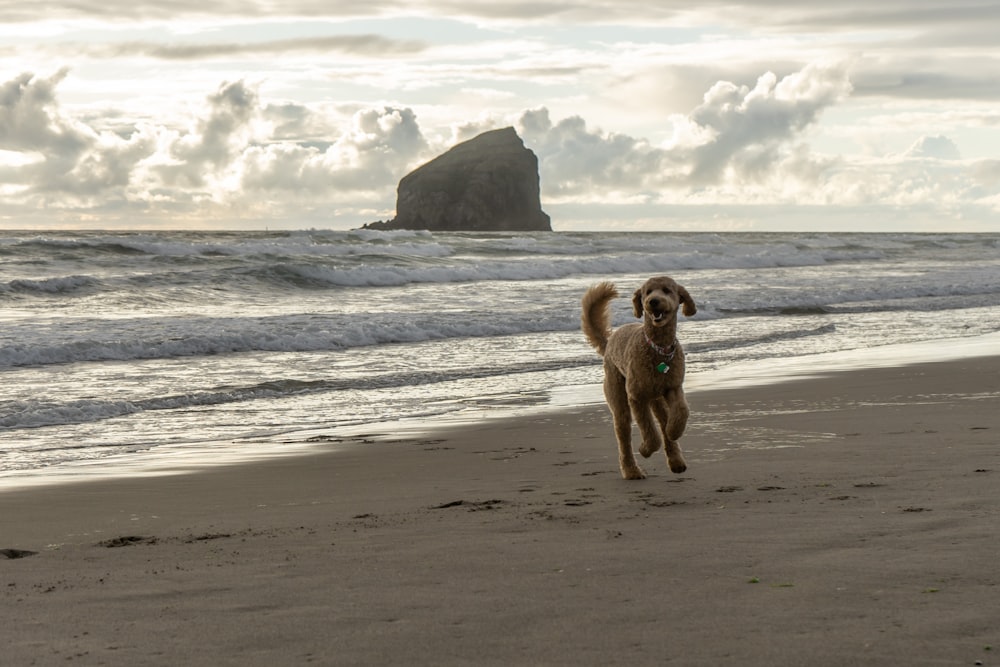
(595, 318)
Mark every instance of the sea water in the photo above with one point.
(125, 347)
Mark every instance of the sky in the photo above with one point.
(770, 115)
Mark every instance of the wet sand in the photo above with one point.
(850, 519)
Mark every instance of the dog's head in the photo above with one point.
(660, 298)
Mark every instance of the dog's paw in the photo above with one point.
(678, 466)
(647, 449)
(633, 473)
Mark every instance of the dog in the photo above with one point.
(643, 368)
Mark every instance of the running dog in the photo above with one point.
(643, 368)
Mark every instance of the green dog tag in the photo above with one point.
(662, 367)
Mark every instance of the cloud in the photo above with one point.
(366, 45)
(71, 158)
(942, 78)
(737, 134)
(939, 148)
(28, 121)
(240, 156)
(745, 128)
(371, 154)
(228, 156)
(781, 14)
(211, 145)
(987, 172)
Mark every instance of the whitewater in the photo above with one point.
(118, 348)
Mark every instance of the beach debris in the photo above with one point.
(126, 541)
(206, 537)
(917, 509)
(474, 506)
(662, 503)
(16, 553)
(323, 438)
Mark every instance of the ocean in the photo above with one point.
(132, 351)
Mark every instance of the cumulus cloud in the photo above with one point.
(29, 120)
(370, 154)
(214, 141)
(234, 151)
(241, 155)
(240, 146)
(745, 128)
(937, 147)
(60, 155)
(737, 134)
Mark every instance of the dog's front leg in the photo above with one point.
(651, 441)
(614, 392)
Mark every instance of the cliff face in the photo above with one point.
(488, 183)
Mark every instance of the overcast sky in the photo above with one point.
(673, 115)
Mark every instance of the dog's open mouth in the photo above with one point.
(658, 317)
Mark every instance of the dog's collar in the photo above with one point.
(667, 352)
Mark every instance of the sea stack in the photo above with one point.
(488, 183)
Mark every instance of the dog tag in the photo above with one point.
(662, 367)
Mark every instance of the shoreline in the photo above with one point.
(847, 519)
(192, 458)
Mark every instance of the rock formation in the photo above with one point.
(488, 183)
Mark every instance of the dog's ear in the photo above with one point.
(689, 307)
(637, 303)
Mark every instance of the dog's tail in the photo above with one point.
(595, 318)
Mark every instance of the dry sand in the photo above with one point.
(848, 520)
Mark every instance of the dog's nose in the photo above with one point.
(654, 302)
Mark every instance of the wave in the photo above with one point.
(29, 414)
(367, 258)
(744, 340)
(128, 340)
(329, 244)
(57, 285)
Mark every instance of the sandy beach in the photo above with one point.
(850, 519)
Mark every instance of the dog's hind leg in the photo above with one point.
(679, 413)
(668, 419)
(614, 392)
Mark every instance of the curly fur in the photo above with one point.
(633, 386)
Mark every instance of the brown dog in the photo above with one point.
(643, 368)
